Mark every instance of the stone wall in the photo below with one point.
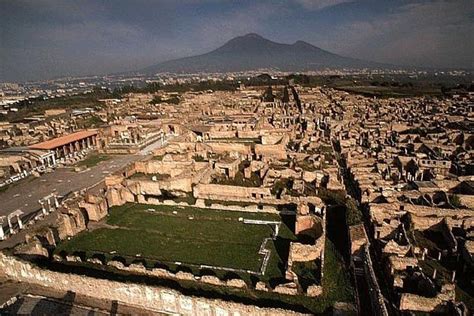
(157, 298)
(413, 302)
(154, 187)
(225, 192)
(273, 151)
(173, 168)
(225, 148)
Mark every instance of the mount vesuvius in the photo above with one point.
(251, 51)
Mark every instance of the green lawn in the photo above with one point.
(192, 236)
(92, 160)
(219, 238)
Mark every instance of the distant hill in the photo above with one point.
(252, 51)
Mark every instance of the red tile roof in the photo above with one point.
(64, 140)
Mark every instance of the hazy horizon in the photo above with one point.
(47, 38)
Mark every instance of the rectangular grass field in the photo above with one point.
(177, 234)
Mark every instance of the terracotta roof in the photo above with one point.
(63, 140)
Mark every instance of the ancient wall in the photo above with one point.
(173, 168)
(225, 192)
(156, 298)
(248, 134)
(222, 134)
(154, 187)
(273, 151)
(413, 302)
(225, 148)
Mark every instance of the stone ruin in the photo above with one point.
(310, 229)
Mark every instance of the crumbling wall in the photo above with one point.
(71, 222)
(225, 192)
(413, 302)
(173, 168)
(225, 148)
(155, 187)
(162, 300)
(119, 195)
(95, 206)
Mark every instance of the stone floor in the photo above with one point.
(25, 195)
(62, 181)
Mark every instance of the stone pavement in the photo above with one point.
(25, 195)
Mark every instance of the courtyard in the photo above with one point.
(187, 237)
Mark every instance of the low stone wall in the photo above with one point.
(156, 298)
(413, 302)
(376, 297)
(226, 192)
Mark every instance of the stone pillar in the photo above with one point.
(43, 209)
(56, 203)
(2, 233)
(50, 208)
(53, 158)
(71, 149)
(10, 226)
(20, 223)
(88, 140)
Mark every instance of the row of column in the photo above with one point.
(16, 214)
(70, 149)
(49, 160)
(52, 203)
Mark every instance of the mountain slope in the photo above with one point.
(252, 51)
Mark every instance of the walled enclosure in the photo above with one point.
(154, 298)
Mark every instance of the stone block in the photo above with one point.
(236, 283)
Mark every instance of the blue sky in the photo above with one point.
(47, 38)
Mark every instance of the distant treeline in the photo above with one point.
(194, 86)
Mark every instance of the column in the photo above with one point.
(20, 223)
(2, 233)
(50, 209)
(43, 209)
(53, 158)
(56, 203)
(88, 140)
(10, 226)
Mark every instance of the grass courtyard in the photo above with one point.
(191, 236)
(212, 237)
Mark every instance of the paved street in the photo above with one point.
(25, 194)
